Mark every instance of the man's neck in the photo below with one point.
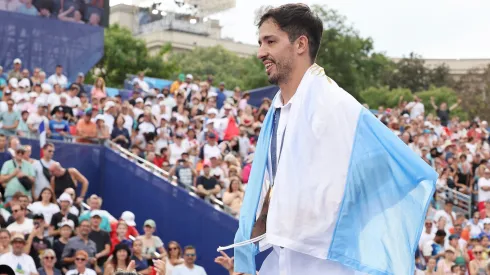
(191, 266)
(289, 87)
(95, 228)
(46, 159)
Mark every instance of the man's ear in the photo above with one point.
(302, 45)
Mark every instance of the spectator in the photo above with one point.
(120, 135)
(140, 80)
(95, 203)
(98, 90)
(80, 82)
(447, 263)
(10, 119)
(483, 189)
(67, 111)
(41, 167)
(207, 185)
(189, 267)
(109, 112)
(46, 205)
(18, 174)
(82, 259)
(5, 245)
(121, 256)
(102, 129)
(58, 77)
(184, 172)
(233, 197)
(17, 259)
(66, 231)
(35, 118)
(86, 128)
(128, 217)
(151, 243)
(16, 70)
(75, 208)
(141, 263)
(4, 154)
(21, 223)
(175, 253)
(447, 213)
(48, 260)
(478, 265)
(36, 242)
(63, 178)
(81, 242)
(120, 238)
(435, 248)
(58, 219)
(100, 237)
(58, 127)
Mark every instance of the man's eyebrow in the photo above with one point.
(265, 37)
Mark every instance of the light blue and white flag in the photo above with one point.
(347, 189)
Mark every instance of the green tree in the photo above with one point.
(246, 73)
(474, 88)
(125, 54)
(348, 58)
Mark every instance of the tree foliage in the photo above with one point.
(125, 54)
(474, 88)
(247, 73)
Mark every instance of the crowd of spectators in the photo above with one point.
(206, 139)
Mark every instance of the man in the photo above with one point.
(58, 77)
(63, 178)
(19, 261)
(207, 185)
(483, 189)
(80, 242)
(447, 213)
(189, 267)
(86, 128)
(435, 247)
(43, 176)
(22, 224)
(10, 119)
(57, 220)
(15, 170)
(100, 237)
(58, 126)
(349, 221)
(16, 72)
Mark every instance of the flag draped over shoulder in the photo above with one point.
(347, 189)
(42, 136)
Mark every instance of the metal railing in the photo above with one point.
(462, 202)
(151, 167)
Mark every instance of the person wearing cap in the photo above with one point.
(16, 70)
(151, 243)
(206, 183)
(66, 230)
(58, 126)
(35, 118)
(36, 242)
(445, 264)
(188, 86)
(14, 171)
(58, 77)
(102, 129)
(21, 262)
(128, 217)
(121, 256)
(459, 247)
(109, 113)
(67, 110)
(95, 204)
(100, 237)
(57, 219)
(86, 129)
(9, 119)
(80, 242)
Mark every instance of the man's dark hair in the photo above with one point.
(47, 145)
(297, 20)
(189, 247)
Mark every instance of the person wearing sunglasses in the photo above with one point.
(478, 265)
(48, 261)
(189, 267)
(81, 260)
(17, 259)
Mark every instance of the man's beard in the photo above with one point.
(283, 69)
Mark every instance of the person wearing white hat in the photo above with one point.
(128, 217)
(16, 259)
(483, 189)
(109, 112)
(31, 105)
(59, 219)
(102, 129)
(16, 71)
(189, 86)
(141, 82)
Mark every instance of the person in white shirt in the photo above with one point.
(22, 224)
(189, 267)
(58, 77)
(109, 111)
(416, 107)
(447, 213)
(141, 82)
(81, 260)
(483, 189)
(428, 233)
(20, 262)
(42, 169)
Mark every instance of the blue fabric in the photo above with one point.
(111, 92)
(58, 126)
(387, 194)
(245, 255)
(44, 43)
(277, 115)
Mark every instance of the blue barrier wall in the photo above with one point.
(258, 94)
(125, 186)
(45, 43)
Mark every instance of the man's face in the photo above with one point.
(84, 229)
(190, 256)
(25, 73)
(95, 221)
(10, 104)
(59, 70)
(17, 211)
(18, 247)
(48, 152)
(3, 141)
(275, 51)
(24, 201)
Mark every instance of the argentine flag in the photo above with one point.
(347, 190)
(42, 136)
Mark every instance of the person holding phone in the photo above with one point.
(36, 242)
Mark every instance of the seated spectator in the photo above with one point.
(86, 128)
(121, 256)
(233, 197)
(121, 233)
(81, 259)
(18, 174)
(63, 178)
(184, 172)
(98, 90)
(478, 265)
(174, 253)
(76, 207)
(36, 242)
(120, 135)
(207, 185)
(21, 224)
(61, 217)
(100, 237)
(45, 205)
(22, 200)
(141, 263)
(71, 252)
(5, 241)
(189, 267)
(128, 217)
(17, 259)
(58, 127)
(95, 202)
(10, 119)
(102, 129)
(66, 231)
(151, 243)
(48, 260)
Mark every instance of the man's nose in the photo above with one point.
(261, 53)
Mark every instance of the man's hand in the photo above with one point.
(79, 200)
(160, 266)
(20, 174)
(225, 261)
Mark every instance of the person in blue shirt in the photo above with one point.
(28, 8)
(58, 126)
(220, 99)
